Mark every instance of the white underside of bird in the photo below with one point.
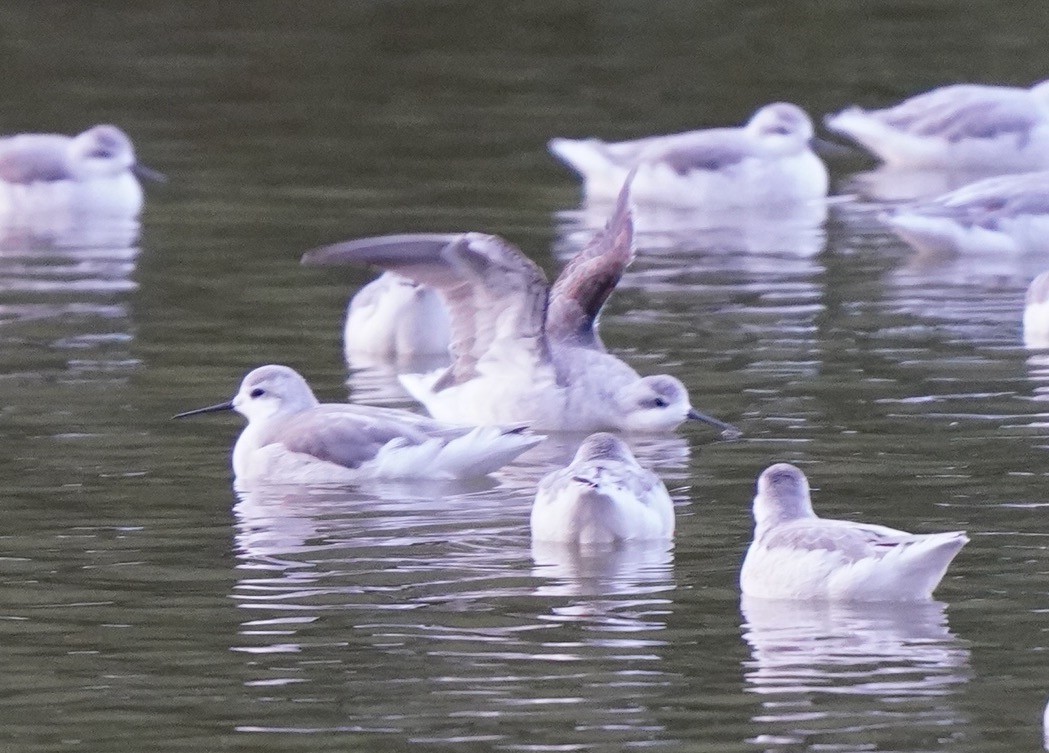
(750, 182)
(797, 555)
(958, 127)
(824, 564)
(479, 452)
(393, 317)
(1006, 214)
(603, 497)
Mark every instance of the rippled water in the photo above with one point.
(145, 603)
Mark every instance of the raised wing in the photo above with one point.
(584, 285)
(853, 541)
(495, 295)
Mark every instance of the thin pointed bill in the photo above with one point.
(148, 173)
(834, 150)
(728, 431)
(228, 405)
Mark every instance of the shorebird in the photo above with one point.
(1005, 214)
(394, 317)
(293, 438)
(523, 351)
(767, 162)
(797, 555)
(604, 496)
(93, 172)
(959, 127)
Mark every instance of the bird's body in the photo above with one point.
(603, 497)
(293, 438)
(958, 127)
(1036, 313)
(1006, 214)
(93, 173)
(523, 350)
(394, 317)
(767, 162)
(797, 555)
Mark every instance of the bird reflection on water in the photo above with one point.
(898, 667)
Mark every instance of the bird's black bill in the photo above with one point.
(728, 431)
(228, 405)
(148, 173)
(835, 150)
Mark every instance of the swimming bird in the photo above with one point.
(1036, 313)
(958, 127)
(604, 496)
(293, 438)
(767, 162)
(93, 172)
(796, 555)
(523, 351)
(395, 317)
(1003, 214)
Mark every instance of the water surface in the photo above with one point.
(143, 597)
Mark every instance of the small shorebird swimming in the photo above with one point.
(1036, 313)
(93, 172)
(523, 351)
(604, 496)
(958, 127)
(393, 317)
(796, 555)
(767, 162)
(292, 438)
(1006, 214)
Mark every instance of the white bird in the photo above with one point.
(1045, 727)
(1003, 214)
(959, 127)
(394, 317)
(93, 172)
(603, 497)
(293, 438)
(1036, 313)
(767, 162)
(523, 351)
(796, 555)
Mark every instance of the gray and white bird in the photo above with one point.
(1006, 214)
(292, 438)
(958, 127)
(797, 555)
(603, 496)
(767, 162)
(524, 351)
(393, 317)
(94, 172)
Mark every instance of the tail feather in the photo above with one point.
(857, 125)
(585, 156)
(484, 450)
(926, 561)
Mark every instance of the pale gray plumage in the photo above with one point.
(797, 555)
(1007, 213)
(602, 497)
(523, 350)
(767, 162)
(291, 437)
(958, 127)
